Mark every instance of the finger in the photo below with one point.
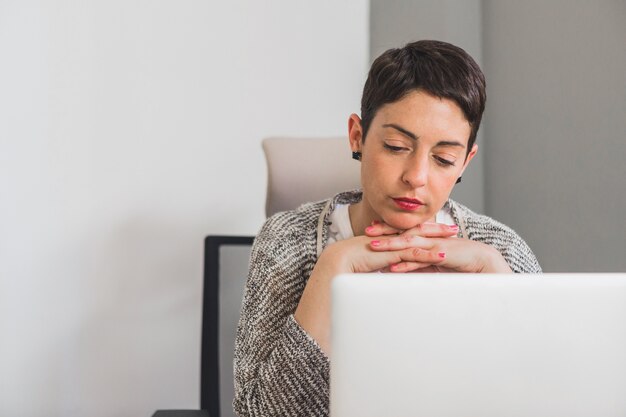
(430, 229)
(382, 260)
(381, 229)
(427, 270)
(422, 256)
(401, 242)
(407, 266)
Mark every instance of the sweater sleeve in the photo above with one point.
(279, 369)
(520, 257)
(513, 248)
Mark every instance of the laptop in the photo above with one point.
(434, 345)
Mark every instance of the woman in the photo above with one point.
(420, 112)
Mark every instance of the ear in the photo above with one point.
(469, 158)
(355, 133)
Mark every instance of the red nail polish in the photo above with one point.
(454, 227)
(442, 254)
(369, 229)
(375, 222)
(375, 243)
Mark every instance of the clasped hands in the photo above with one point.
(428, 247)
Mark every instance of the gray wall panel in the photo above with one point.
(556, 128)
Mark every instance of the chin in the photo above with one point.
(405, 221)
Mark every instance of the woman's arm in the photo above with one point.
(279, 369)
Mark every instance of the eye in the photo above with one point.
(443, 162)
(396, 149)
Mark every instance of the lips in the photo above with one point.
(409, 204)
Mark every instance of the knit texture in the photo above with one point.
(279, 369)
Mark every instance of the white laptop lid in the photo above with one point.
(478, 345)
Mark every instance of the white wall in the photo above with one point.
(128, 131)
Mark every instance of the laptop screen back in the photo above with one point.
(478, 345)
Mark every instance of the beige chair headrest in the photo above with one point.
(307, 169)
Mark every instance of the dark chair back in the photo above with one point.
(225, 272)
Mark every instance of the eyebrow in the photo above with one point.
(415, 137)
(401, 130)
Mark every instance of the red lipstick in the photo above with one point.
(409, 204)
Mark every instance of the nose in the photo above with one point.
(416, 172)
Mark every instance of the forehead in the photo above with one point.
(426, 116)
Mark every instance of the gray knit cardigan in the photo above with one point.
(279, 369)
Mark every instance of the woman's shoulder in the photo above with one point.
(304, 219)
(487, 230)
(293, 222)
(476, 223)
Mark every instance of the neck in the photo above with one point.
(361, 217)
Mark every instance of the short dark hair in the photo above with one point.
(438, 68)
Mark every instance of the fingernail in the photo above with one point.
(375, 243)
(375, 222)
(394, 267)
(369, 229)
(442, 254)
(454, 227)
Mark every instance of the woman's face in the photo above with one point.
(413, 154)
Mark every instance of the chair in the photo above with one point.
(225, 272)
(299, 170)
(307, 169)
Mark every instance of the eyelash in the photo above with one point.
(394, 148)
(444, 162)
(441, 161)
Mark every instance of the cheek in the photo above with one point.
(374, 174)
(441, 185)
(369, 184)
(445, 182)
